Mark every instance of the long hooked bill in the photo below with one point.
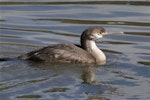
(107, 33)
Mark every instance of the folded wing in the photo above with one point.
(68, 53)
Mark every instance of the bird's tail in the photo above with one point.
(5, 59)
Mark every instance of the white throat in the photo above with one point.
(96, 52)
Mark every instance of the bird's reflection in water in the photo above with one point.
(86, 73)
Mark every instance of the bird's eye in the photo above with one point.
(99, 33)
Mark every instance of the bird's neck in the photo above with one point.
(91, 47)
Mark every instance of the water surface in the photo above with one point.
(28, 25)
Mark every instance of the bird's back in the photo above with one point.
(67, 53)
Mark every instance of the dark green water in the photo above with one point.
(27, 25)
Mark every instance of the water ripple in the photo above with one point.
(28, 25)
(138, 3)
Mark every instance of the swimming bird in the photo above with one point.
(87, 52)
